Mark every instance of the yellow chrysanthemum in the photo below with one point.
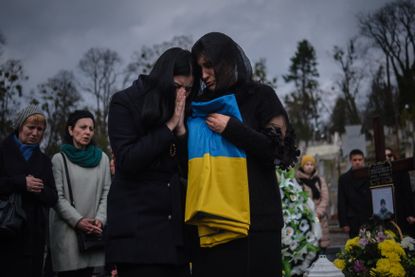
(397, 270)
(339, 263)
(351, 243)
(390, 234)
(385, 267)
(391, 249)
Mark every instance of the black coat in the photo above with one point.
(258, 105)
(354, 201)
(25, 253)
(145, 203)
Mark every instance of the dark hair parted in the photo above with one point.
(229, 62)
(356, 152)
(160, 92)
(71, 122)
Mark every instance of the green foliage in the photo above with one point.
(338, 117)
(260, 74)
(303, 102)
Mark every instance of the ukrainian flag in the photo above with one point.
(217, 198)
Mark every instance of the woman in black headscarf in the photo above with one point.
(267, 139)
(145, 209)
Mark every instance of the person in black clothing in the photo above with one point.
(26, 171)
(354, 198)
(145, 203)
(405, 210)
(267, 140)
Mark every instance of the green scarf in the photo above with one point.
(88, 157)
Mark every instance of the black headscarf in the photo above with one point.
(231, 65)
(160, 93)
(233, 72)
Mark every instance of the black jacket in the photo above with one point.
(145, 202)
(13, 171)
(354, 199)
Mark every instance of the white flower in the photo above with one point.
(408, 243)
(293, 245)
(304, 225)
(289, 232)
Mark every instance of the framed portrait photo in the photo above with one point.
(383, 203)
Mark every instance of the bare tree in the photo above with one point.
(144, 59)
(100, 67)
(392, 29)
(58, 96)
(351, 77)
(11, 77)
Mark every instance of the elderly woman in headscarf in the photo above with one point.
(81, 169)
(26, 173)
(243, 236)
(318, 191)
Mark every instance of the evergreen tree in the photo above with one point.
(303, 102)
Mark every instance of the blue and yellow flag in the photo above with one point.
(217, 198)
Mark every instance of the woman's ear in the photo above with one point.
(70, 130)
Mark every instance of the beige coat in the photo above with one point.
(90, 188)
(320, 204)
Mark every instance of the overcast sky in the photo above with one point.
(49, 35)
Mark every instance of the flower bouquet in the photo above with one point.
(377, 252)
(301, 230)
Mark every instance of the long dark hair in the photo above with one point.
(160, 92)
(230, 64)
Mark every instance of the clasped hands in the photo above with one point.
(90, 226)
(215, 121)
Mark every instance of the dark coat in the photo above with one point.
(145, 203)
(258, 105)
(403, 202)
(354, 202)
(25, 253)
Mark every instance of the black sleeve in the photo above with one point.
(182, 155)
(405, 193)
(342, 202)
(258, 143)
(253, 142)
(133, 152)
(10, 184)
(48, 196)
(269, 106)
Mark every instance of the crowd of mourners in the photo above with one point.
(190, 188)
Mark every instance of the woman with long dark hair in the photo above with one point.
(145, 210)
(240, 132)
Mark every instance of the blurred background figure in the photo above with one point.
(404, 204)
(317, 189)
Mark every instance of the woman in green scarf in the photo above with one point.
(88, 172)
